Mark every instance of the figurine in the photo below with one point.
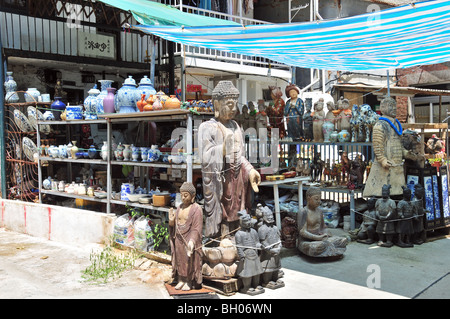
(387, 167)
(343, 122)
(251, 115)
(308, 121)
(369, 118)
(276, 111)
(227, 175)
(406, 210)
(270, 238)
(245, 118)
(289, 232)
(412, 141)
(185, 228)
(314, 239)
(355, 124)
(293, 111)
(355, 180)
(385, 213)
(318, 117)
(316, 168)
(249, 266)
(367, 233)
(261, 118)
(345, 167)
(419, 235)
(330, 116)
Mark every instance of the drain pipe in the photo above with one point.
(2, 124)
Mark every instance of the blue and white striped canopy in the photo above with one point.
(400, 37)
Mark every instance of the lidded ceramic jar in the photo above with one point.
(90, 104)
(127, 97)
(146, 87)
(32, 95)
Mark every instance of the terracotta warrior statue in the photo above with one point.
(387, 167)
(406, 210)
(249, 267)
(367, 233)
(228, 177)
(385, 213)
(308, 121)
(314, 239)
(419, 236)
(270, 238)
(185, 228)
(293, 111)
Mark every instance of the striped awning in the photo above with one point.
(401, 37)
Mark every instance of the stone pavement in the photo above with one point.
(32, 267)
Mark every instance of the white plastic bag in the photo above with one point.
(124, 230)
(142, 229)
(330, 211)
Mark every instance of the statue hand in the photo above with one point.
(171, 217)
(190, 248)
(255, 179)
(385, 163)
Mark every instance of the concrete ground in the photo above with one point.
(33, 267)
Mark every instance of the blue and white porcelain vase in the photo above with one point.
(135, 153)
(32, 95)
(144, 154)
(127, 97)
(91, 104)
(47, 183)
(146, 87)
(104, 85)
(92, 151)
(125, 189)
(155, 154)
(74, 112)
(11, 88)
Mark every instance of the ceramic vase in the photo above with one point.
(144, 154)
(155, 154)
(74, 112)
(10, 88)
(58, 106)
(125, 189)
(344, 136)
(48, 116)
(47, 183)
(141, 104)
(127, 97)
(162, 98)
(90, 104)
(104, 151)
(62, 151)
(134, 153)
(61, 186)
(334, 137)
(109, 101)
(146, 87)
(74, 149)
(119, 152)
(172, 103)
(53, 151)
(156, 104)
(92, 152)
(327, 128)
(126, 152)
(104, 85)
(32, 95)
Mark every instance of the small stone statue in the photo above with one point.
(314, 239)
(249, 266)
(293, 111)
(316, 168)
(308, 121)
(419, 235)
(406, 210)
(261, 117)
(289, 232)
(270, 238)
(385, 213)
(345, 115)
(245, 118)
(330, 116)
(251, 115)
(356, 175)
(276, 110)
(318, 117)
(185, 228)
(367, 233)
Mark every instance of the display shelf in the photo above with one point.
(328, 143)
(70, 195)
(72, 122)
(139, 205)
(154, 164)
(73, 160)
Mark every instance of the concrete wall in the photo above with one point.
(56, 223)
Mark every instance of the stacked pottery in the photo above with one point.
(146, 87)
(58, 107)
(32, 95)
(104, 85)
(90, 104)
(10, 88)
(127, 97)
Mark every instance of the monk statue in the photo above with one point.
(249, 267)
(387, 167)
(314, 238)
(228, 177)
(185, 228)
(385, 213)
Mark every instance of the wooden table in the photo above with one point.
(298, 180)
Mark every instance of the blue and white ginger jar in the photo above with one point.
(146, 87)
(91, 104)
(127, 97)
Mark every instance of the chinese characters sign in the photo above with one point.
(96, 45)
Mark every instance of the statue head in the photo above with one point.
(225, 97)
(292, 91)
(371, 203)
(318, 106)
(406, 193)
(386, 191)
(313, 197)
(330, 106)
(245, 220)
(268, 216)
(188, 192)
(388, 107)
(419, 191)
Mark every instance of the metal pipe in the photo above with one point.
(2, 124)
